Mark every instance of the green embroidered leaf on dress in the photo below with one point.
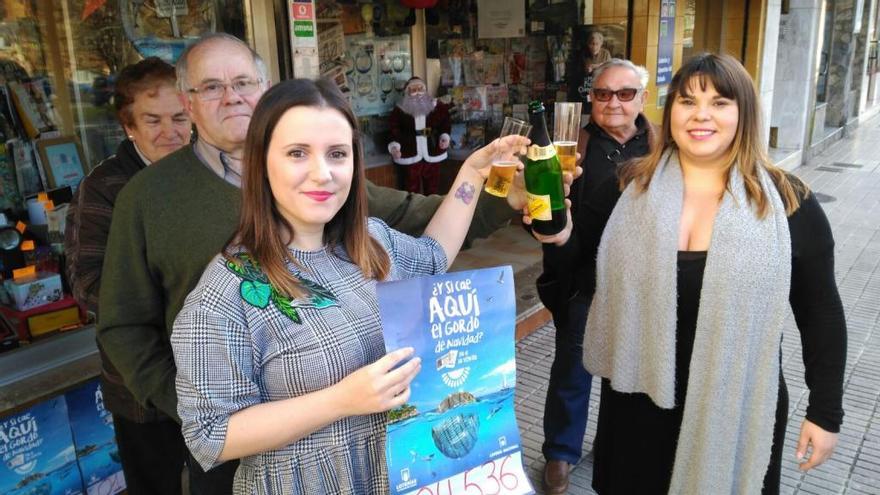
(256, 290)
(256, 293)
(284, 305)
(248, 269)
(235, 268)
(320, 297)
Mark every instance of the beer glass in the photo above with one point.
(566, 126)
(504, 165)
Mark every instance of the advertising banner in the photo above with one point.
(458, 432)
(93, 436)
(37, 452)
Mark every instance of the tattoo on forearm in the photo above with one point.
(465, 192)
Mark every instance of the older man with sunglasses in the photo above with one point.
(617, 132)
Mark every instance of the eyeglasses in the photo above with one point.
(623, 94)
(216, 90)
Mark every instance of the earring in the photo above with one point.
(130, 137)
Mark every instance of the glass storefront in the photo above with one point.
(71, 50)
(59, 60)
(58, 65)
(486, 63)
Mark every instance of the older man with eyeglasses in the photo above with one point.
(169, 220)
(617, 132)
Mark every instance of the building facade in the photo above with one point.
(813, 61)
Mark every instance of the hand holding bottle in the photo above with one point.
(543, 177)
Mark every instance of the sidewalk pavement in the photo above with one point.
(846, 179)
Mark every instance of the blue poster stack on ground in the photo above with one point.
(37, 452)
(458, 429)
(94, 439)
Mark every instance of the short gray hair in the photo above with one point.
(638, 70)
(182, 66)
(596, 34)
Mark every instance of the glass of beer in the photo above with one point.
(504, 165)
(566, 126)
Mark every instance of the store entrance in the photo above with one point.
(715, 26)
(821, 130)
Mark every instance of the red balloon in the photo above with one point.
(419, 4)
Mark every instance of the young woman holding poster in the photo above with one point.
(696, 264)
(279, 352)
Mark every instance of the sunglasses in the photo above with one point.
(623, 94)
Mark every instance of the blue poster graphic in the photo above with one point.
(94, 439)
(37, 452)
(665, 41)
(65, 163)
(458, 428)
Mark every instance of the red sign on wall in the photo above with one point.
(301, 11)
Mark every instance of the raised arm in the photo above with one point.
(410, 212)
(453, 218)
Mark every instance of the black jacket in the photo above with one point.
(85, 240)
(558, 283)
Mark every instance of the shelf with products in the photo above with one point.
(489, 78)
(367, 50)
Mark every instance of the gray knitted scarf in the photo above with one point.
(729, 413)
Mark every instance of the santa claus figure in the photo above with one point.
(419, 137)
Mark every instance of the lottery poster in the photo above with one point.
(95, 440)
(38, 453)
(458, 432)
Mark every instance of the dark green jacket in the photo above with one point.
(169, 222)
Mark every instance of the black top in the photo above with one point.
(603, 156)
(813, 295)
(632, 426)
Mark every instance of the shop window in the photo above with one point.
(366, 49)
(58, 65)
(489, 78)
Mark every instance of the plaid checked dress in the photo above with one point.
(231, 355)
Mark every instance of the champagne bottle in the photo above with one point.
(543, 176)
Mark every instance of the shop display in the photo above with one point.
(33, 107)
(27, 175)
(381, 67)
(420, 126)
(62, 161)
(501, 19)
(165, 29)
(29, 292)
(61, 315)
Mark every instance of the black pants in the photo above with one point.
(152, 455)
(217, 481)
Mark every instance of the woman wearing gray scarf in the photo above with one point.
(698, 260)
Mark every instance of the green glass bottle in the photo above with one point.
(543, 177)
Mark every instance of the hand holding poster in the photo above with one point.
(458, 433)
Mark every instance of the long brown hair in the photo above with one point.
(747, 152)
(262, 231)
